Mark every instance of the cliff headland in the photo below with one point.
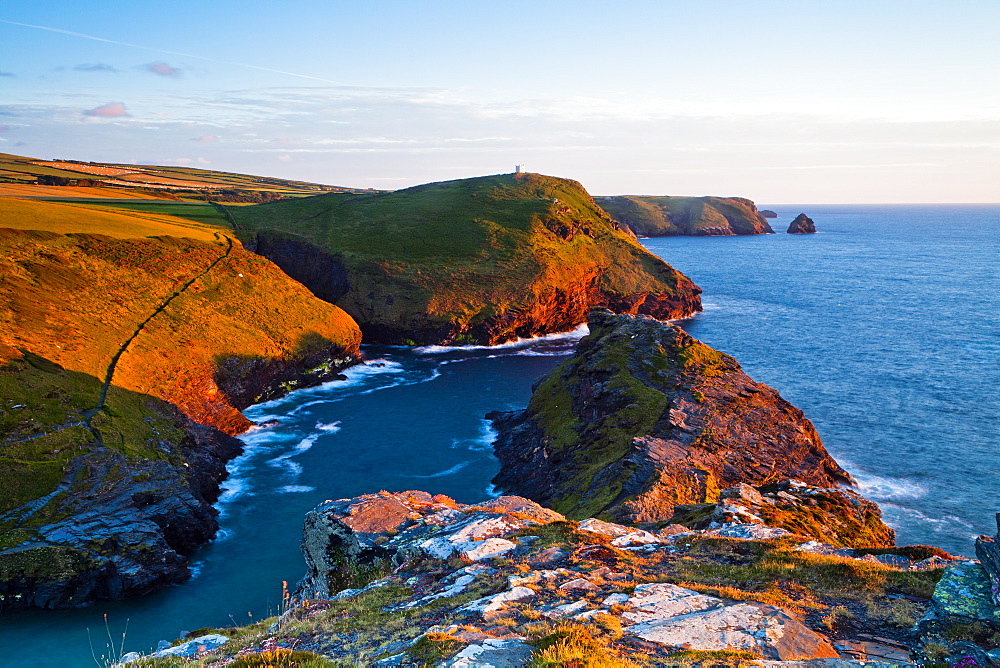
(688, 216)
(480, 260)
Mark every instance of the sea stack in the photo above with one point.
(767, 213)
(802, 224)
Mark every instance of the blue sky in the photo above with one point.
(777, 101)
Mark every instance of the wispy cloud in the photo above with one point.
(206, 139)
(7, 74)
(4, 128)
(95, 67)
(166, 51)
(109, 110)
(162, 69)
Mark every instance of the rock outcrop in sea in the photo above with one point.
(644, 419)
(802, 224)
(689, 216)
(767, 213)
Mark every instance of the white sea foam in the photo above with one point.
(886, 489)
(355, 375)
(938, 523)
(483, 443)
(492, 491)
(195, 568)
(440, 474)
(284, 459)
(575, 334)
(329, 427)
(295, 489)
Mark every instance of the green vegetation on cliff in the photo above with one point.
(118, 332)
(645, 419)
(694, 216)
(475, 260)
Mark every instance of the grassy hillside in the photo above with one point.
(481, 259)
(199, 221)
(117, 330)
(695, 216)
(22, 176)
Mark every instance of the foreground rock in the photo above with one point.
(124, 363)
(408, 578)
(480, 260)
(645, 418)
(802, 224)
(691, 216)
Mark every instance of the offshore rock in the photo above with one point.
(767, 213)
(691, 216)
(643, 419)
(802, 225)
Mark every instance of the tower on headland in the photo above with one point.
(519, 169)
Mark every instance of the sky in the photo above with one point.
(798, 101)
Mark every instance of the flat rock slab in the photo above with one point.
(670, 615)
(657, 602)
(492, 653)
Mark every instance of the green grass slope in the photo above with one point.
(474, 260)
(113, 345)
(75, 178)
(689, 216)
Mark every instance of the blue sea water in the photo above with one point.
(884, 328)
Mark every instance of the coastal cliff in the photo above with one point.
(687, 216)
(124, 363)
(411, 578)
(645, 419)
(481, 260)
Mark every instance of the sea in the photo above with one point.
(884, 328)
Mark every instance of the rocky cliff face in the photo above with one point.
(481, 260)
(645, 418)
(802, 224)
(124, 363)
(690, 216)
